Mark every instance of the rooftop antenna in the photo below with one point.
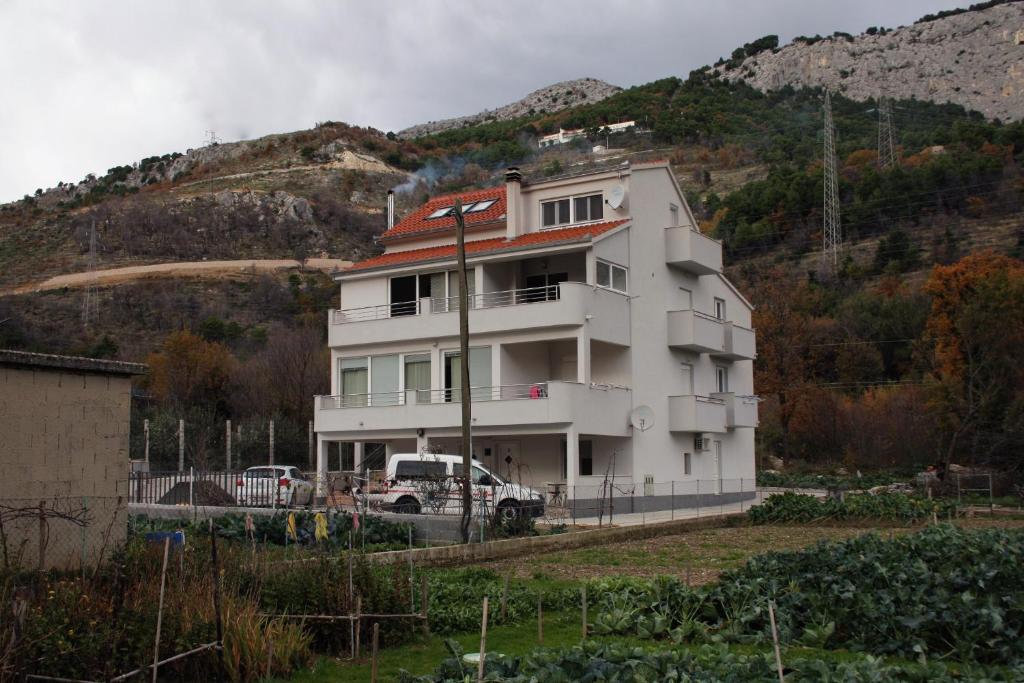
(886, 134)
(89, 297)
(832, 228)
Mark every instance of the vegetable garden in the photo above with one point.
(942, 604)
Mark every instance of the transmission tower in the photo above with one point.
(886, 134)
(89, 297)
(832, 228)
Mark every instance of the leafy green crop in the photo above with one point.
(618, 663)
(943, 592)
(796, 507)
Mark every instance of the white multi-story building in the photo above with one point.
(604, 339)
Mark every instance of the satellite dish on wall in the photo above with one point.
(642, 418)
(617, 196)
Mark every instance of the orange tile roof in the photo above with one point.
(419, 222)
(581, 233)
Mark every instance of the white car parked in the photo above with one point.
(273, 486)
(426, 482)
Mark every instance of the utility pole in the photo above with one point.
(832, 228)
(886, 134)
(464, 393)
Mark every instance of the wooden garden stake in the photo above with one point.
(775, 640)
(359, 610)
(540, 620)
(216, 599)
(426, 604)
(373, 659)
(504, 601)
(270, 656)
(160, 608)
(584, 612)
(483, 644)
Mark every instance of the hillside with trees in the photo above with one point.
(907, 353)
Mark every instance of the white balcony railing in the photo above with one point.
(505, 392)
(510, 297)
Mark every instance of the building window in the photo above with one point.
(479, 374)
(722, 379)
(720, 309)
(354, 381)
(543, 287)
(417, 376)
(586, 458)
(589, 208)
(611, 276)
(687, 469)
(577, 210)
(555, 213)
(673, 215)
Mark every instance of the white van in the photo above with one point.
(426, 483)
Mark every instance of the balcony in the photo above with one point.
(594, 409)
(738, 343)
(565, 305)
(692, 251)
(698, 332)
(691, 330)
(740, 411)
(696, 414)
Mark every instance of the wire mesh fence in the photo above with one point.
(61, 532)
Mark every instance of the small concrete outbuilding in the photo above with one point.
(64, 451)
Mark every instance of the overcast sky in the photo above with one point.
(90, 85)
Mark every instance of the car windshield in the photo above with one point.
(479, 472)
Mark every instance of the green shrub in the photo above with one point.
(797, 507)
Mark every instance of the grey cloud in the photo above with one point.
(91, 85)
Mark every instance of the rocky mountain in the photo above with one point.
(972, 58)
(550, 99)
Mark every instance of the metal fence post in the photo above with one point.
(271, 442)
(698, 499)
(227, 445)
(191, 487)
(673, 499)
(145, 434)
(181, 445)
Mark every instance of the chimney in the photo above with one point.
(391, 209)
(513, 208)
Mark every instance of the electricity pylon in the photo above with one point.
(832, 228)
(886, 134)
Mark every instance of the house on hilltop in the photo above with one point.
(604, 338)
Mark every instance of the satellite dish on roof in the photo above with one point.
(642, 418)
(617, 196)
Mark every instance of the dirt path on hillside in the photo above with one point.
(200, 269)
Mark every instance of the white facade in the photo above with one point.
(563, 136)
(571, 329)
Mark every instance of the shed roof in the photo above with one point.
(12, 358)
